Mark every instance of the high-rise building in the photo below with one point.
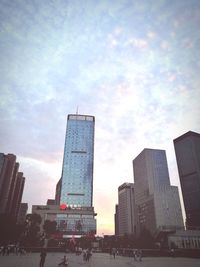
(187, 150)
(23, 208)
(126, 206)
(18, 192)
(77, 171)
(57, 193)
(11, 185)
(157, 202)
(116, 217)
(73, 210)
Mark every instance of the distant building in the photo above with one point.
(11, 185)
(18, 193)
(116, 216)
(184, 239)
(187, 149)
(7, 178)
(51, 202)
(157, 203)
(23, 208)
(58, 192)
(126, 206)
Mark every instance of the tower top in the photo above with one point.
(79, 117)
(188, 134)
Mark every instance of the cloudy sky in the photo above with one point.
(133, 64)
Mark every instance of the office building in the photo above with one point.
(11, 185)
(73, 210)
(23, 208)
(71, 222)
(18, 192)
(8, 177)
(184, 239)
(187, 150)
(116, 218)
(51, 202)
(77, 171)
(157, 203)
(126, 213)
(58, 192)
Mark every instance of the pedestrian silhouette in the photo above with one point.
(42, 257)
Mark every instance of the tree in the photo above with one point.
(7, 228)
(145, 239)
(32, 229)
(49, 227)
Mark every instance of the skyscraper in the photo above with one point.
(11, 185)
(77, 171)
(126, 206)
(116, 218)
(157, 202)
(73, 209)
(187, 150)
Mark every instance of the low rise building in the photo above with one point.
(71, 221)
(188, 239)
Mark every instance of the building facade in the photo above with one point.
(126, 213)
(116, 218)
(11, 185)
(23, 208)
(70, 221)
(185, 239)
(157, 203)
(58, 192)
(187, 150)
(77, 171)
(72, 209)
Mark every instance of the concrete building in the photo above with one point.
(17, 198)
(116, 217)
(7, 177)
(23, 208)
(70, 221)
(157, 203)
(58, 192)
(77, 170)
(51, 202)
(185, 239)
(11, 185)
(187, 150)
(126, 213)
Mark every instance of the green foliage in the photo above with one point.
(49, 227)
(32, 230)
(7, 228)
(145, 239)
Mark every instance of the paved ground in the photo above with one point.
(97, 260)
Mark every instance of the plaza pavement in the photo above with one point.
(97, 260)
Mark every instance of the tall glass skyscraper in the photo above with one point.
(157, 203)
(77, 171)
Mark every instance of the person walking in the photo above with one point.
(42, 257)
(88, 254)
(64, 262)
(140, 255)
(114, 251)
